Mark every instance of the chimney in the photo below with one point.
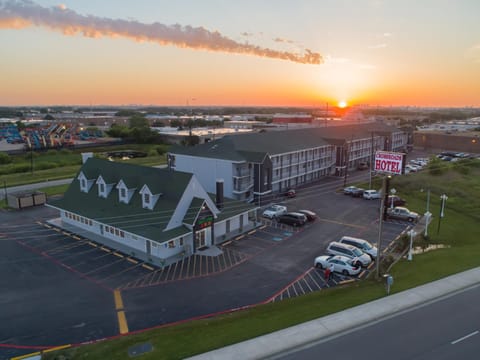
(86, 156)
(219, 194)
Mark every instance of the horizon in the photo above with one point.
(382, 53)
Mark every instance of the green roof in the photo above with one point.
(131, 217)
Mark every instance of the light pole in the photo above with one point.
(393, 191)
(444, 198)
(428, 214)
(412, 234)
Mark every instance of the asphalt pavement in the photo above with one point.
(275, 344)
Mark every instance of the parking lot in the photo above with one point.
(69, 278)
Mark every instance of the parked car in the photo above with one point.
(371, 194)
(341, 264)
(363, 166)
(402, 213)
(274, 211)
(292, 219)
(311, 216)
(290, 193)
(395, 200)
(358, 192)
(362, 244)
(350, 251)
(349, 190)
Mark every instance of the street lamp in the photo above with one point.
(393, 191)
(412, 234)
(443, 198)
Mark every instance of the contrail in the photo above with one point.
(17, 14)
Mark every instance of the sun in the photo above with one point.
(342, 104)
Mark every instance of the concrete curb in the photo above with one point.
(315, 330)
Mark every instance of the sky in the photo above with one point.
(240, 53)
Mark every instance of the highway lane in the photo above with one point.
(444, 329)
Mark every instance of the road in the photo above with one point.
(445, 329)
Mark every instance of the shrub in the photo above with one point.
(45, 165)
(161, 150)
(5, 158)
(65, 152)
(152, 152)
(20, 168)
(436, 167)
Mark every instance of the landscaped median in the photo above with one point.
(459, 229)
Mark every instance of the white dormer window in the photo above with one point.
(103, 188)
(124, 193)
(85, 184)
(148, 199)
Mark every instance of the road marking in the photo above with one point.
(76, 237)
(464, 338)
(263, 227)
(119, 255)
(148, 267)
(26, 356)
(239, 237)
(122, 322)
(57, 348)
(117, 295)
(105, 249)
(93, 244)
(342, 223)
(132, 260)
(66, 233)
(252, 232)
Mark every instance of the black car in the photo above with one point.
(292, 219)
(396, 200)
(311, 216)
(358, 192)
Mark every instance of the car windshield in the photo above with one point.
(357, 252)
(367, 246)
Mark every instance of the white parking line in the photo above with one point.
(464, 337)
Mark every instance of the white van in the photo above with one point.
(362, 244)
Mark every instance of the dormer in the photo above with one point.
(85, 184)
(124, 193)
(103, 188)
(148, 198)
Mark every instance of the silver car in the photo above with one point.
(350, 251)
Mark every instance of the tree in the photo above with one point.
(138, 121)
(20, 125)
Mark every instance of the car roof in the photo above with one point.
(341, 244)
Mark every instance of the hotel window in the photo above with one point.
(171, 244)
(107, 228)
(90, 222)
(102, 188)
(117, 232)
(83, 183)
(122, 234)
(111, 230)
(146, 198)
(180, 241)
(123, 192)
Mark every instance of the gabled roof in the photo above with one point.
(129, 217)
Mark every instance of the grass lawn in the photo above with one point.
(459, 230)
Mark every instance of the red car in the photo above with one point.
(290, 193)
(397, 201)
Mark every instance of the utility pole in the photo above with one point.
(380, 225)
(444, 198)
(347, 151)
(371, 164)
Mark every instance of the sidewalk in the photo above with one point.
(295, 336)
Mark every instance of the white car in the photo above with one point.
(350, 251)
(362, 244)
(274, 211)
(341, 264)
(371, 194)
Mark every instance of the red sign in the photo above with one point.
(389, 162)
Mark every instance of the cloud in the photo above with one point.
(16, 14)
(281, 40)
(378, 46)
(473, 53)
(336, 60)
(387, 34)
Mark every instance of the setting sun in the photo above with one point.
(342, 104)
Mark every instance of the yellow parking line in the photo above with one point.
(117, 254)
(346, 282)
(227, 243)
(252, 232)
(66, 233)
(57, 229)
(263, 227)
(342, 223)
(362, 273)
(122, 322)
(105, 249)
(239, 237)
(132, 260)
(117, 295)
(148, 267)
(57, 348)
(26, 356)
(76, 237)
(47, 226)
(370, 266)
(93, 244)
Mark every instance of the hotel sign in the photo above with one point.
(389, 162)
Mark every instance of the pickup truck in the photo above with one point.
(402, 213)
